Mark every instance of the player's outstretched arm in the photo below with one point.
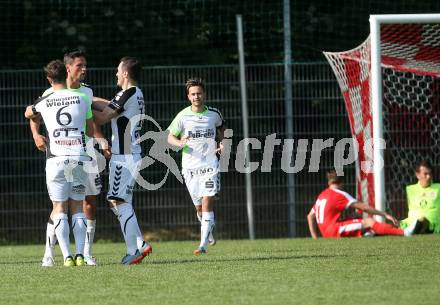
(313, 226)
(99, 103)
(367, 209)
(104, 116)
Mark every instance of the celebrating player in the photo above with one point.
(122, 110)
(76, 66)
(194, 129)
(327, 210)
(68, 117)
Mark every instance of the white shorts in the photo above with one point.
(122, 177)
(93, 182)
(202, 182)
(65, 178)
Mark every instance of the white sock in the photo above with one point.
(51, 239)
(139, 237)
(129, 227)
(79, 229)
(137, 231)
(62, 231)
(90, 235)
(206, 228)
(210, 236)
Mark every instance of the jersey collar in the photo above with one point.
(199, 113)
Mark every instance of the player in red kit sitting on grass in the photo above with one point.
(326, 212)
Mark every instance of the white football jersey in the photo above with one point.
(64, 113)
(201, 128)
(129, 104)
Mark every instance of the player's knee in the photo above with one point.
(198, 208)
(367, 223)
(89, 210)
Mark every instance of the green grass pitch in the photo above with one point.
(382, 270)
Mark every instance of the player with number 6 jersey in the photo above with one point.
(68, 117)
(76, 67)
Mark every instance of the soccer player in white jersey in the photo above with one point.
(195, 129)
(123, 110)
(68, 118)
(76, 66)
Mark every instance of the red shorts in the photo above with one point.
(346, 228)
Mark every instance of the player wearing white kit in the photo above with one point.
(195, 129)
(68, 117)
(76, 66)
(123, 111)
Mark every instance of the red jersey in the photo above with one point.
(328, 208)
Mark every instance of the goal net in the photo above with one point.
(410, 104)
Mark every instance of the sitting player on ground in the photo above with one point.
(423, 200)
(327, 210)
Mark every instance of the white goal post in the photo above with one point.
(395, 72)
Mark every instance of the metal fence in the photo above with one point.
(168, 213)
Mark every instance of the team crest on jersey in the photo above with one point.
(432, 194)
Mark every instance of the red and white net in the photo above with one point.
(410, 60)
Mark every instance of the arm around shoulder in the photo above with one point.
(99, 103)
(104, 116)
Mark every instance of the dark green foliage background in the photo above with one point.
(184, 32)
